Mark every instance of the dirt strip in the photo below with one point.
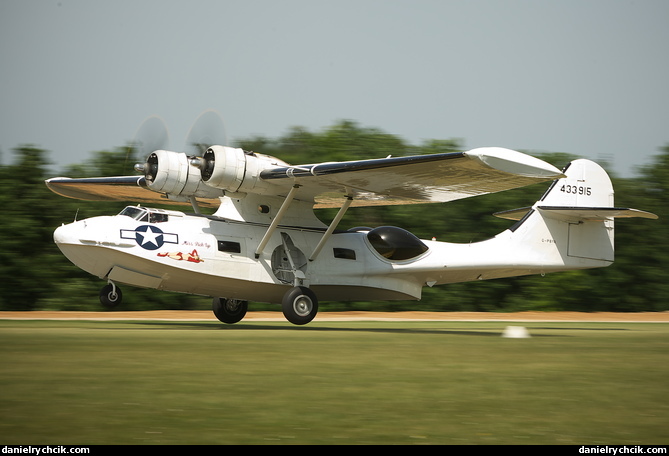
(202, 315)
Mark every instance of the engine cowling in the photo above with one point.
(171, 173)
(224, 167)
(233, 170)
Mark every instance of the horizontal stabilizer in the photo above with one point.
(578, 213)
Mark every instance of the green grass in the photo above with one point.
(67, 382)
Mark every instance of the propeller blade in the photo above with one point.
(151, 135)
(207, 130)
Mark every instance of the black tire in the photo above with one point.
(299, 305)
(108, 298)
(229, 310)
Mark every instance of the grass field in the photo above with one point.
(143, 382)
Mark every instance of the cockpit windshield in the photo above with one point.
(142, 214)
(137, 213)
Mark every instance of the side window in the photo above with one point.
(156, 217)
(345, 254)
(229, 247)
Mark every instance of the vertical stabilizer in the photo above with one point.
(585, 186)
(571, 227)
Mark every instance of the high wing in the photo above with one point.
(415, 179)
(118, 188)
(387, 181)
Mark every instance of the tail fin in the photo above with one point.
(572, 225)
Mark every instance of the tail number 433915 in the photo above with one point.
(576, 190)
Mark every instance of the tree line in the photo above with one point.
(36, 276)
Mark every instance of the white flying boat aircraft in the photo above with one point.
(265, 244)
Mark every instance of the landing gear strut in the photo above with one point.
(110, 296)
(229, 310)
(299, 305)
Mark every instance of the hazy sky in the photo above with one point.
(587, 77)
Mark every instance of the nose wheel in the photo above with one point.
(110, 296)
(299, 305)
(229, 310)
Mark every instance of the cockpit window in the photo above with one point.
(138, 213)
(142, 214)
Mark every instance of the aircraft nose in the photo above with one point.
(67, 234)
(72, 240)
(60, 234)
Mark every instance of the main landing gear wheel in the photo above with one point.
(299, 305)
(229, 310)
(110, 296)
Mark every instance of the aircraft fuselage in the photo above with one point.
(211, 256)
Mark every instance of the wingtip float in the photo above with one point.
(514, 162)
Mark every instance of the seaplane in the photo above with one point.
(265, 243)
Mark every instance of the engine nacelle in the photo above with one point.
(171, 173)
(233, 170)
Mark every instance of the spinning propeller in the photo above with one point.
(153, 137)
(207, 130)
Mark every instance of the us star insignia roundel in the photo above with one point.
(150, 237)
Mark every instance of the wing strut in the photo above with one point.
(272, 227)
(331, 228)
(196, 207)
